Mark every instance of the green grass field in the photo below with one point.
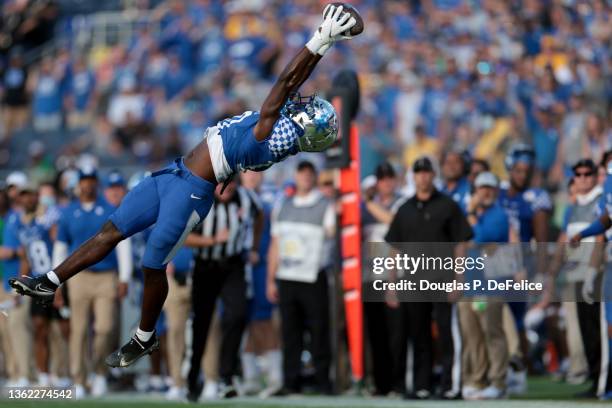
(542, 393)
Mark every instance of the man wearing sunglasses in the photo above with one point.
(597, 288)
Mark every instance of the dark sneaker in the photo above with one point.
(132, 351)
(194, 389)
(39, 287)
(227, 390)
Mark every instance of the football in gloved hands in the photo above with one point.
(347, 8)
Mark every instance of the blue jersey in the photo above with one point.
(10, 267)
(605, 202)
(76, 225)
(34, 237)
(460, 194)
(492, 225)
(47, 97)
(233, 146)
(82, 86)
(522, 207)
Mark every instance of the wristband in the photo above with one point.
(324, 48)
(315, 44)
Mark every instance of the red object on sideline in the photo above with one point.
(351, 256)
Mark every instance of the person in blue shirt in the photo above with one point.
(80, 94)
(542, 124)
(176, 80)
(97, 287)
(528, 210)
(434, 105)
(487, 217)
(456, 184)
(47, 99)
(17, 350)
(115, 188)
(178, 197)
(33, 237)
(481, 319)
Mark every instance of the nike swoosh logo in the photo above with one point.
(196, 197)
(41, 288)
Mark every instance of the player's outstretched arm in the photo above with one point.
(335, 23)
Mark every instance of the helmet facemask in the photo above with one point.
(316, 118)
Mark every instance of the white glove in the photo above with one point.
(588, 287)
(332, 29)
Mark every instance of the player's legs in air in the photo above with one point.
(180, 196)
(175, 200)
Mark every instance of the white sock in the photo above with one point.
(143, 335)
(249, 366)
(275, 367)
(53, 278)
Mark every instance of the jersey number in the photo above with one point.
(39, 257)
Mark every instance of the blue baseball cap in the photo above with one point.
(115, 178)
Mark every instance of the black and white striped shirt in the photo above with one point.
(237, 216)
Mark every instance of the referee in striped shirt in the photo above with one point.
(222, 247)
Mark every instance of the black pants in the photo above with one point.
(414, 322)
(210, 280)
(305, 306)
(589, 319)
(376, 316)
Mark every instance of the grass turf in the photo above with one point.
(541, 393)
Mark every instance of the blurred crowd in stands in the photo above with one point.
(461, 82)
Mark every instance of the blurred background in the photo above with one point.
(126, 86)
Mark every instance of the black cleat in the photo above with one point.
(132, 351)
(40, 287)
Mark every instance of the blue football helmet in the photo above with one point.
(316, 117)
(520, 152)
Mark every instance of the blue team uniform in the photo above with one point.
(175, 199)
(605, 206)
(605, 202)
(233, 146)
(521, 208)
(492, 226)
(10, 267)
(76, 225)
(36, 240)
(460, 194)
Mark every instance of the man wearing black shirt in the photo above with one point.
(220, 255)
(427, 217)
